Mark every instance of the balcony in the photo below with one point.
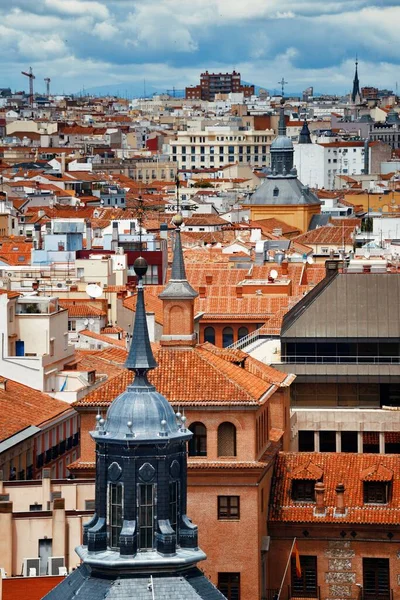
(377, 368)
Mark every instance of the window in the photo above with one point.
(227, 337)
(115, 516)
(375, 492)
(71, 325)
(303, 490)
(146, 516)
(276, 191)
(198, 443)
(228, 507)
(209, 335)
(226, 439)
(370, 442)
(173, 506)
(306, 585)
(327, 441)
(306, 441)
(349, 441)
(243, 332)
(35, 507)
(229, 585)
(376, 579)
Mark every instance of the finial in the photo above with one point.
(129, 425)
(163, 432)
(183, 423)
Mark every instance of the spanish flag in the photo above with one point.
(296, 555)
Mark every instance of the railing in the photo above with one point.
(339, 360)
(247, 339)
(304, 594)
(375, 595)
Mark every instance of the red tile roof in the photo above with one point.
(351, 470)
(22, 406)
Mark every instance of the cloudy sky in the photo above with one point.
(83, 44)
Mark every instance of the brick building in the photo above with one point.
(238, 411)
(218, 83)
(344, 511)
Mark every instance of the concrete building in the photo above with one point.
(213, 84)
(318, 164)
(216, 146)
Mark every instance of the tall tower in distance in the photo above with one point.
(356, 93)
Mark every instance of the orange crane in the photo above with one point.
(31, 78)
(47, 80)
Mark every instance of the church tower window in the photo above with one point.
(146, 516)
(115, 513)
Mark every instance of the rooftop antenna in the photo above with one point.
(282, 83)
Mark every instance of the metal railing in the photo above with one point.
(339, 360)
(247, 339)
(304, 594)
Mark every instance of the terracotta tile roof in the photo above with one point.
(22, 406)
(82, 310)
(152, 304)
(351, 470)
(213, 381)
(207, 220)
(327, 235)
(270, 224)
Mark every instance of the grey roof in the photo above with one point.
(140, 355)
(187, 585)
(319, 221)
(18, 437)
(305, 136)
(145, 408)
(178, 286)
(348, 305)
(290, 192)
(282, 142)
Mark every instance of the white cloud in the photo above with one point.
(105, 30)
(79, 7)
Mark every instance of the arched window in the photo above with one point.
(227, 336)
(243, 331)
(209, 335)
(198, 443)
(115, 513)
(226, 439)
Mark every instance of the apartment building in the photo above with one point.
(217, 146)
(318, 164)
(212, 84)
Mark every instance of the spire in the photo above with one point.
(178, 272)
(305, 136)
(140, 356)
(356, 94)
(282, 123)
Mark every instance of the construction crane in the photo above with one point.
(47, 80)
(31, 78)
(175, 92)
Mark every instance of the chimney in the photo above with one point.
(209, 279)
(3, 384)
(37, 237)
(164, 231)
(319, 509)
(285, 268)
(114, 237)
(202, 291)
(239, 291)
(62, 163)
(340, 509)
(88, 235)
(331, 267)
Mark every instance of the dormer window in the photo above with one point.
(303, 490)
(376, 492)
(276, 191)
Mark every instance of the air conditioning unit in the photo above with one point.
(54, 564)
(30, 567)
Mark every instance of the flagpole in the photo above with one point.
(286, 569)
